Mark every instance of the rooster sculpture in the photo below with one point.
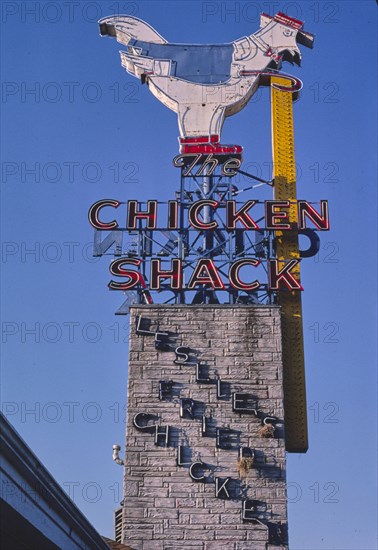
(204, 84)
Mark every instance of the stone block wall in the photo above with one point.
(199, 473)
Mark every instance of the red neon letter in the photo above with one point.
(205, 273)
(273, 217)
(94, 212)
(174, 274)
(134, 277)
(134, 214)
(233, 274)
(321, 221)
(194, 211)
(276, 276)
(172, 214)
(240, 215)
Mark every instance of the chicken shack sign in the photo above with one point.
(205, 240)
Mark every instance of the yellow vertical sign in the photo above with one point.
(287, 248)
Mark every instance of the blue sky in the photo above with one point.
(90, 131)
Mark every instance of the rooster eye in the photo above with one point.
(288, 32)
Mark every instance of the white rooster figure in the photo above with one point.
(204, 84)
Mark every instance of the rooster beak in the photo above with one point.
(306, 39)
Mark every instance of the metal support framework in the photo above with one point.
(221, 245)
(286, 249)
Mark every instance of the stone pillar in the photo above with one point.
(205, 450)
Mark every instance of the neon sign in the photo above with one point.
(204, 271)
(205, 246)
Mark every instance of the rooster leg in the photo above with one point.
(200, 109)
(200, 119)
